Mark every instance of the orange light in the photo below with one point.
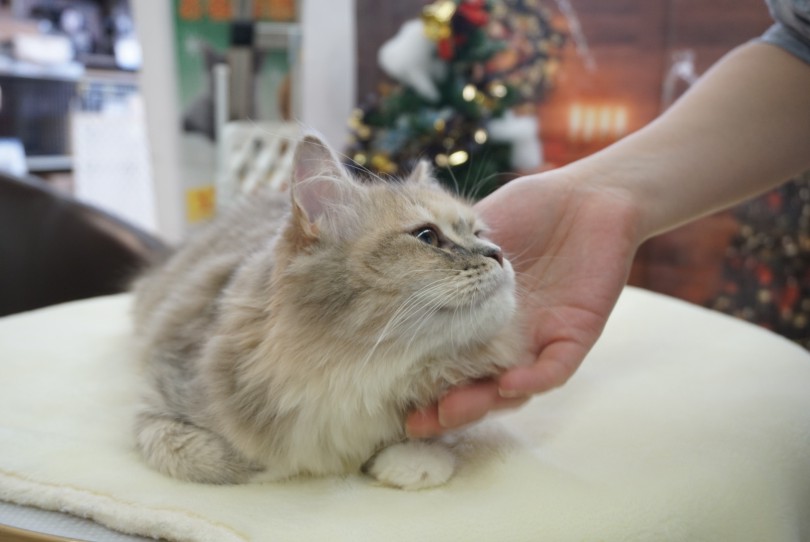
(589, 123)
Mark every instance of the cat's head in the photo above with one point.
(387, 261)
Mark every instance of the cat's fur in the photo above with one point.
(294, 334)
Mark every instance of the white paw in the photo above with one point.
(413, 465)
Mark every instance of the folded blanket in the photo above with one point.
(682, 425)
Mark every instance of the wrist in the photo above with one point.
(606, 191)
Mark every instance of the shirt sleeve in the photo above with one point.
(791, 30)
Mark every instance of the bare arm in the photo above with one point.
(743, 128)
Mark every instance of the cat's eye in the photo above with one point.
(427, 235)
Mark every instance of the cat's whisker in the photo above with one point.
(454, 179)
(530, 247)
(455, 318)
(409, 307)
(425, 311)
(415, 308)
(475, 188)
(425, 320)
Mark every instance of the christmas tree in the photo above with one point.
(467, 76)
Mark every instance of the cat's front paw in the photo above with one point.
(413, 465)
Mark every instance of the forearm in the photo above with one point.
(742, 129)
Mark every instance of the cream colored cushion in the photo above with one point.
(682, 425)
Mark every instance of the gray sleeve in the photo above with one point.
(792, 28)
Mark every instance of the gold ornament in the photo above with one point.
(382, 163)
(436, 17)
(498, 90)
(469, 92)
(355, 122)
(454, 159)
(458, 158)
(360, 158)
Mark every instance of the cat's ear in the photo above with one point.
(320, 185)
(422, 174)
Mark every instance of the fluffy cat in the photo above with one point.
(293, 334)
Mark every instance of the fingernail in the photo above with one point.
(442, 418)
(510, 394)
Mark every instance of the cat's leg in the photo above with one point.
(187, 452)
(412, 465)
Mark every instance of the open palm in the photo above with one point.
(571, 245)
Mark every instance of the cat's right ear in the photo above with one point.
(423, 174)
(320, 186)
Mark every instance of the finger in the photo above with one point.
(470, 403)
(508, 403)
(555, 365)
(467, 404)
(459, 407)
(424, 423)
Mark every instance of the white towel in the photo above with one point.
(682, 425)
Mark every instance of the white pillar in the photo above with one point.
(328, 67)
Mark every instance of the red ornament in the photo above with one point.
(764, 275)
(790, 296)
(446, 49)
(475, 11)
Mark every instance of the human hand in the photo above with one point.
(571, 244)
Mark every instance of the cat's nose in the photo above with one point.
(495, 253)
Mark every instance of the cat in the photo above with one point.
(293, 334)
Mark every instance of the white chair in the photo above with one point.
(254, 154)
(250, 154)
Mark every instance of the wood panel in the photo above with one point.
(625, 41)
(632, 44)
(377, 22)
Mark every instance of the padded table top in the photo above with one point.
(682, 425)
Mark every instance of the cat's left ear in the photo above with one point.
(320, 185)
(422, 174)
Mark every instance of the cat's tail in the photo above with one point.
(188, 452)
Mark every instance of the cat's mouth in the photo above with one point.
(481, 293)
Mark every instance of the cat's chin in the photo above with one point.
(490, 299)
(497, 290)
(489, 312)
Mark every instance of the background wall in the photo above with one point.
(632, 47)
(626, 61)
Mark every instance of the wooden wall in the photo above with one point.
(378, 21)
(632, 44)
